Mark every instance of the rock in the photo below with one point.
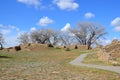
(55, 72)
(115, 41)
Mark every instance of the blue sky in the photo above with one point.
(18, 16)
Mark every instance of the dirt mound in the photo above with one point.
(114, 48)
(12, 49)
(33, 46)
(37, 46)
(27, 47)
(79, 47)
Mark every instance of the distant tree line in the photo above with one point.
(85, 33)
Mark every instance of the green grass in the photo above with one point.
(48, 64)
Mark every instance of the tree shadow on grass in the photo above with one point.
(4, 57)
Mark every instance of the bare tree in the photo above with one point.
(88, 33)
(66, 39)
(42, 36)
(24, 38)
(54, 37)
(38, 36)
(34, 36)
(1, 41)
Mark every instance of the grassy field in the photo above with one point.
(48, 64)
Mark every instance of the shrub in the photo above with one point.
(50, 45)
(64, 46)
(76, 47)
(67, 49)
(17, 48)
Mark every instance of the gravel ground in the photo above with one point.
(38, 71)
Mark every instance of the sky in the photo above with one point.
(19, 16)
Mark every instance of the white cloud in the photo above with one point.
(33, 29)
(11, 41)
(44, 21)
(1, 25)
(10, 34)
(115, 38)
(89, 15)
(66, 4)
(35, 3)
(104, 42)
(116, 23)
(4, 31)
(66, 27)
(13, 28)
(117, 28)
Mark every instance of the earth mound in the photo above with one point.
(114, 48)
(27, 47)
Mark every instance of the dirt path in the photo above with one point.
(78, 62)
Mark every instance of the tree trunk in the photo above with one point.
(1, 46)
(89, 45)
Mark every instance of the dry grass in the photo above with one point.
(47, 64)
(93, 59)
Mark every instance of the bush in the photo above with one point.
(67, 49)
(76, 47)
(64, 46)
(17, 48)
(50, 45)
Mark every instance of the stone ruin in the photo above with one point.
(110, 53)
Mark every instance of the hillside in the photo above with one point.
(45, 63)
